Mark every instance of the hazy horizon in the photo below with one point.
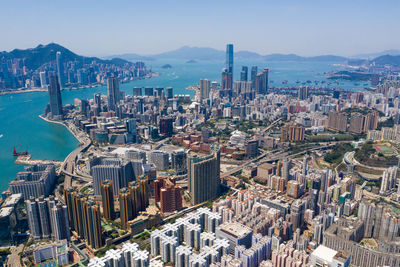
(100, 28)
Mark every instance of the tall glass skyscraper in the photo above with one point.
(60, 69)
(55, 98)
(113, 94)
(229, 58)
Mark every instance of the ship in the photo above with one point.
(16, 154)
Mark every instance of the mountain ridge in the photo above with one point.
(207, 53)
(42, 54)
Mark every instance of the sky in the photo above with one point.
(303, 27)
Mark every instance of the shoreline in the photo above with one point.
(61, 123)
(39, 89)
(19, 91)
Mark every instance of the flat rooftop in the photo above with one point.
(235, 229)
(324, 253)
(12, 200)
(4, 212)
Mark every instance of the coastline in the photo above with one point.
(19, 91)
(61, 123)
(39, 89)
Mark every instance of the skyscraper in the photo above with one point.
(337, 121)
(55, 98)
(170, 92)
(69, 201)
(302, 92)
(33, 218)
(93, 225)
(125, 207)
(204, 88)
(79, 216)
(119, 171)
(43, 79)
(47, 219)
(204, 176)
(113, 94)
(107, 197)
(253, 75)
(229, 58)
(59, 216)
(244, 73)
(226, 82)
(134, 191)
(261, 82)
(60, 69)
(44, 218)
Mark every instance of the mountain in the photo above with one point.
(247, 55)
(196, 53)
(294, 57)
(206, 53)
(131, 57)
(36, 57)
(387, 60)
(391, 52)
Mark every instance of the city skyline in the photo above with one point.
(310, 28)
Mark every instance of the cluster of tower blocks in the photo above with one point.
(196, 232)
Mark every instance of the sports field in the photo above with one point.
(385, 149)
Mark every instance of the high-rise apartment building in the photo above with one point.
(204, 89)
(227, 79)
(47, 218)
(170, 92)
(204, 176)
(119, 171)
(137, 91)
(93, 225)
(33, 218)
(107, 198)
(261, 82)
(302, 93)
(357, 123)
(43, 79)
(166, 126)
(35, 181)
(113, 94)
(125, 207)
(54, 90)
(337, 121)
(389, 180)
(244, 73)
(371, 121)
(253, 75)
(60, 223)
(79, 217)
(292, 133)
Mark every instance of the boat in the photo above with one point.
(16, 154)
(1, 136)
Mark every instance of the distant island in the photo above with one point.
(351, 76)
(166, 66)
(191, 61)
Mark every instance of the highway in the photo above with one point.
(273, 156)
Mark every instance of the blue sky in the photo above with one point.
(303, 27)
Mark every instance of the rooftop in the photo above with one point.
(235, 229)
(324, 253)
(4, 212)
